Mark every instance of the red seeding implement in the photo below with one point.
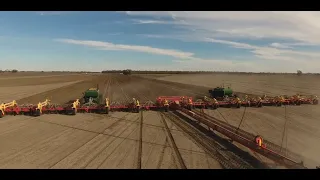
(180, 106)
(162, 103)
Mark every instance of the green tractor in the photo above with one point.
(92, 96)
(221, 92)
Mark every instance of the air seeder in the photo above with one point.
(93, 102)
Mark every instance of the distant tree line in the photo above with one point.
(129, 72)
(8, 70)
(126, 72)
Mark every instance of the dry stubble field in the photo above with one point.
(117, 141)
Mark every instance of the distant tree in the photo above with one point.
(14, 71)
(127, 72)
(299, 73)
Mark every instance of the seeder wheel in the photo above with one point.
(37, 112)
(1, 115)
(166, 108)
(238, 105)
(214, 106)
(70, 112)
(315, 101)
(107, 110)
(73, 112)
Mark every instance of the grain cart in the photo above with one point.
(220, 92)
(91, 96)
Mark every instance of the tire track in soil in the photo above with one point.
(166, 143)
(172, 143)
(164, 146)
(162, 152)
(97, 134)
(107, 90)
(198, 141)
(137, 119)
(270, 144)
(239, 157)
(140, 141)
(215, 150)
(143, 97)
(174, 151)
(126, 95)
(126, 99)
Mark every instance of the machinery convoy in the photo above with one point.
(93, 102)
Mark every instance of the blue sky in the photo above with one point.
(95, 41)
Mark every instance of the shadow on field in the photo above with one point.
(225, 144)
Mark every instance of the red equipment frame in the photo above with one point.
(178, 103)
(249, 143)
